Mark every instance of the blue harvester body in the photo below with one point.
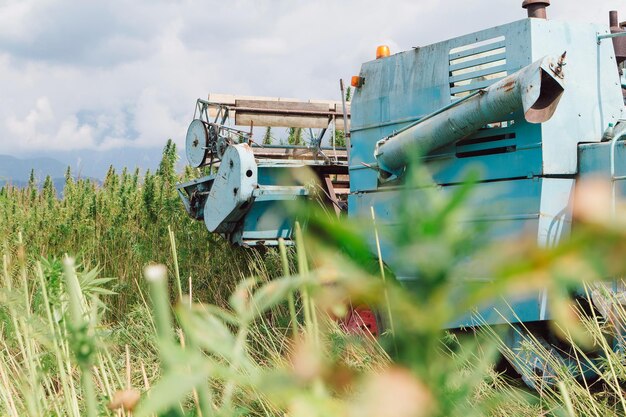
(506, 101)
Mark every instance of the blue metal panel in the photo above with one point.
(521, 308)
(595, 160)
(411, 84)
(267, 220)
(555, 211)
(592, 98)
(276, 173)
(507, 208)
(595, 163)
(403, 88)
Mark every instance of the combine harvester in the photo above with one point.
(537, 120)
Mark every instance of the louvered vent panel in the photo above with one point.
(476, 66)
(472, 67)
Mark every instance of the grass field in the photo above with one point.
(113, 302)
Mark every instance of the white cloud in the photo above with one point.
(39, 130)
(27, 127)
(13, 15)
(107, 75)
(264, 46)
(152, 118)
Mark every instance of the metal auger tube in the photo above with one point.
(536, 89)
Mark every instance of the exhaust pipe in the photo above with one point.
(536, 89)
(619, 44)
(536, 8)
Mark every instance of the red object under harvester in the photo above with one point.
(361, 320)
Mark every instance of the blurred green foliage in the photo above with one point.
(119, 226)
(75, 343)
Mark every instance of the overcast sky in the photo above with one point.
(100, 75)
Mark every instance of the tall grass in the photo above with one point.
(59, 358)
(50, 358)
(208, 331)
(120, 226)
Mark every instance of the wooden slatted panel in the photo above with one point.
(291, 106)
(280, 112)
(294, 153)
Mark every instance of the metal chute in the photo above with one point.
(535, 89)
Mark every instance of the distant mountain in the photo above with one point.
(59, 184)
(17, 171)
(83, 164)
(95, 164)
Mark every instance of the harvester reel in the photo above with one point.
(204, 142)
(197, 143)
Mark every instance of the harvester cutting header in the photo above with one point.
(537, 104)
(244, 199)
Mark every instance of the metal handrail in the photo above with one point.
(610, 36)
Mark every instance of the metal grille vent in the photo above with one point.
(476, 66)
(486, 145)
